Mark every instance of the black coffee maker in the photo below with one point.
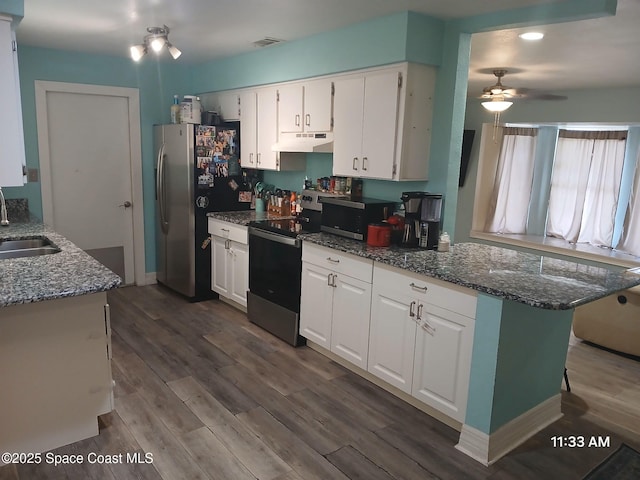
(430, 221)
(423, 215)
(412, 206)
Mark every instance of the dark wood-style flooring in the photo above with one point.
(211, 396)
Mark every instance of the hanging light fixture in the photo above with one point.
(496, 105)
(156, 38)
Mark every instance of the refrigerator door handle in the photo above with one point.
(160, 189)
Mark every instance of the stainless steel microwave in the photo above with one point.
(350, 218)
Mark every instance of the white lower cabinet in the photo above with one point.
(421, 338)
(229, 260)
(335, 306)
(442, 361)
(413, 332)
(392, 338)
(55, 372)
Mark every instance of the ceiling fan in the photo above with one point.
(500, 93)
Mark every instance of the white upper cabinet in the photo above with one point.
(227, 105)
(382, 122)
(12, 154)
(305, 107)
(259, 131)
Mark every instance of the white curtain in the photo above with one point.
(630, 241)
(511, 194)
(603, 189)
(585, 184)
(568, 187)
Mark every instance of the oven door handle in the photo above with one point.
(274, 237)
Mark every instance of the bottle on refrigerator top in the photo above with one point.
(175, 110)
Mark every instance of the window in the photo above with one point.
(585, 185)
(511, 194)
(542, 186)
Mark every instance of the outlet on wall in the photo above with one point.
(32, 175)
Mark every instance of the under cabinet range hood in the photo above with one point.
(304, 142)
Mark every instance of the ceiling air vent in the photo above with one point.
(266, 41)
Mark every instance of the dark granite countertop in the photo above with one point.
(535, 280)
(70, 272)
(244, 217)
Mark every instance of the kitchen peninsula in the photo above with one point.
(505, 314)
(55, 371)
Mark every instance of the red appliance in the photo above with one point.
(379, 234)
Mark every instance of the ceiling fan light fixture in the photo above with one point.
(532, 36)
(497, 105)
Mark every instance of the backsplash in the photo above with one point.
(321, 165)
(18, 209)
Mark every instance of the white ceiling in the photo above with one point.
(586, 54)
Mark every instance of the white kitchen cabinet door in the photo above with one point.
(380, 124)
(291, 108)
(348, 120)
(316, 301)
(392, 338)
(267, 120)
(248, 129)
(239, 273)
(350, 319)
(365, 125)
(305, 107)
(220, 265)
(12, 153)
(228, 105)
(444, 343)
(318, 103)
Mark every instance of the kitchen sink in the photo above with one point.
(26, 247)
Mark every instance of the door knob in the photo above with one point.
(126, 204)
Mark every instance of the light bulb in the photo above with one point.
(137, 52)
(175, 53)
(157, 43)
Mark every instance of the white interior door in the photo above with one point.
(86, 168)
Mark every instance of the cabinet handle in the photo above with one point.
(355, 163)
(329, 279)
(226, 244)
(365, 160)
(307, 120)
(418, 287)
(297, 120)
(333, 282)
(251, 158)
(258, 159)
(427, 327)
(225, 230)
(411, 312)
(419, 316)
(332, 260)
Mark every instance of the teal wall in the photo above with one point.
(391, 39)
(15, 8)
(157, 82)
(518, 359)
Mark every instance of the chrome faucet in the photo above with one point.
(3, 210)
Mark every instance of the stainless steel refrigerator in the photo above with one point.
(197, 171)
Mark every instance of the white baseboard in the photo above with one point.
(149, 279)
(487, 449)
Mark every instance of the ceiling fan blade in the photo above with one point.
(545, 96)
